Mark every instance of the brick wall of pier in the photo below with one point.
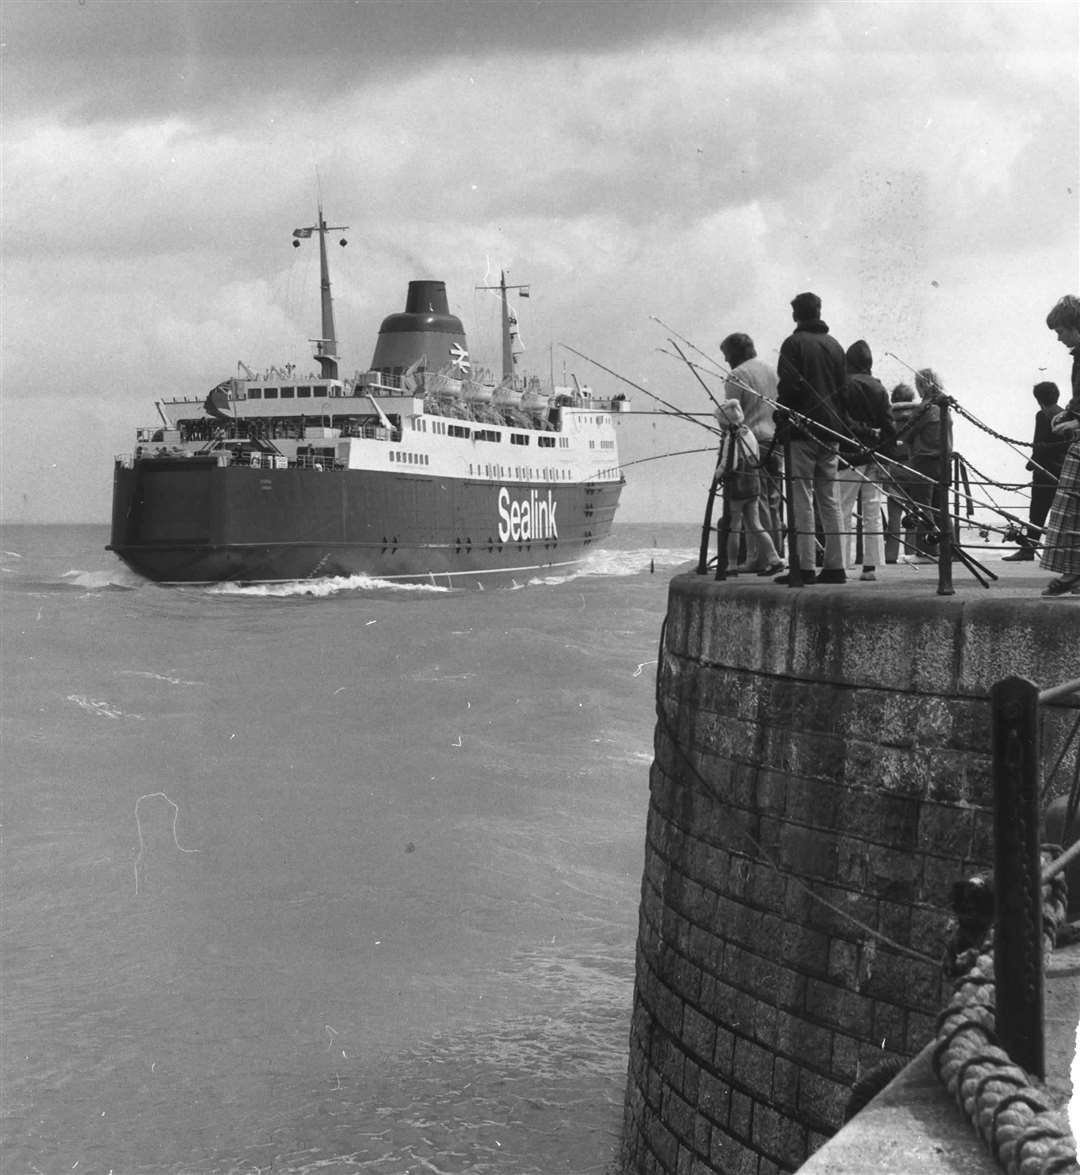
(821, 776)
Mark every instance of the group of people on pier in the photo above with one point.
(851, 447)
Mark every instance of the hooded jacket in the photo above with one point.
(811, 378)
(868, 415)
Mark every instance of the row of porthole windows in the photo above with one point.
(519, 473)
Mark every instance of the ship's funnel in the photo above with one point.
(426, 297)
(426, 332)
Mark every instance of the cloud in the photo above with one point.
(108, 58)
(702, 167)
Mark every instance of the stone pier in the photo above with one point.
(822, 777)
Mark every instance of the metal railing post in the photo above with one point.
(794, 567)
(1018, 939)
(706, 528)
(944, 519)
(723, 531)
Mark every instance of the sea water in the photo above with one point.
(330, 877)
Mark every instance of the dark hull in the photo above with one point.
(188, 520)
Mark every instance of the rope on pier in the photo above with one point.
(1025, 1129)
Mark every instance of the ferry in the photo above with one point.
(418, 469)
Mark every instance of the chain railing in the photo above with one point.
(927, 530)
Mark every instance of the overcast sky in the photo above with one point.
(916, 164)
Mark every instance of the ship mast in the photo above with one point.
(507, 322)
(325, 348)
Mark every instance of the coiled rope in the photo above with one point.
(1021, 1124)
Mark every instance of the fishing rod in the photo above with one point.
(929, 518)
(732, 376)
(686, 342)
(795, 415)
(726, 373)
(655, 457)
(708, 390)
(923, 513)
(970, 416)
(645, 391)
(662, 456)
(880, 459)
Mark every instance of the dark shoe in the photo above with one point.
(1024, 555)
(832, 575)
(1062, 586)
(805, 577)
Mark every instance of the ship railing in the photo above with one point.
(318, 461)
(262, 460)
(367, 432)
(385, 383)
(1022, 788)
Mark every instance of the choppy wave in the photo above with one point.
(100, 708)
(118, 579)
(157, 677)
(322, 588)
(599, 563)
(615, 564)
(114, 577)
(513, 1097)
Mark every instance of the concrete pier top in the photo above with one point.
(896, 628)
(1014, 581)
(914, 1125)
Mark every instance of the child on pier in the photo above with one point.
(739, 466)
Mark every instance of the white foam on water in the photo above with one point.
(322, 588)
(115, 577)
(99, 708)
(617, 564)
(156, 677)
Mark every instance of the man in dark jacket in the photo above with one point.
(1047, 455)
(811, 383)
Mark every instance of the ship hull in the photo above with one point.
(189, 521)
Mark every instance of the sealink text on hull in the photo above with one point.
(417, 468)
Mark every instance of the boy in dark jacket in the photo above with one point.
(1047, 455)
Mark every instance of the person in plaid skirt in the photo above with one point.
(1061, 542)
